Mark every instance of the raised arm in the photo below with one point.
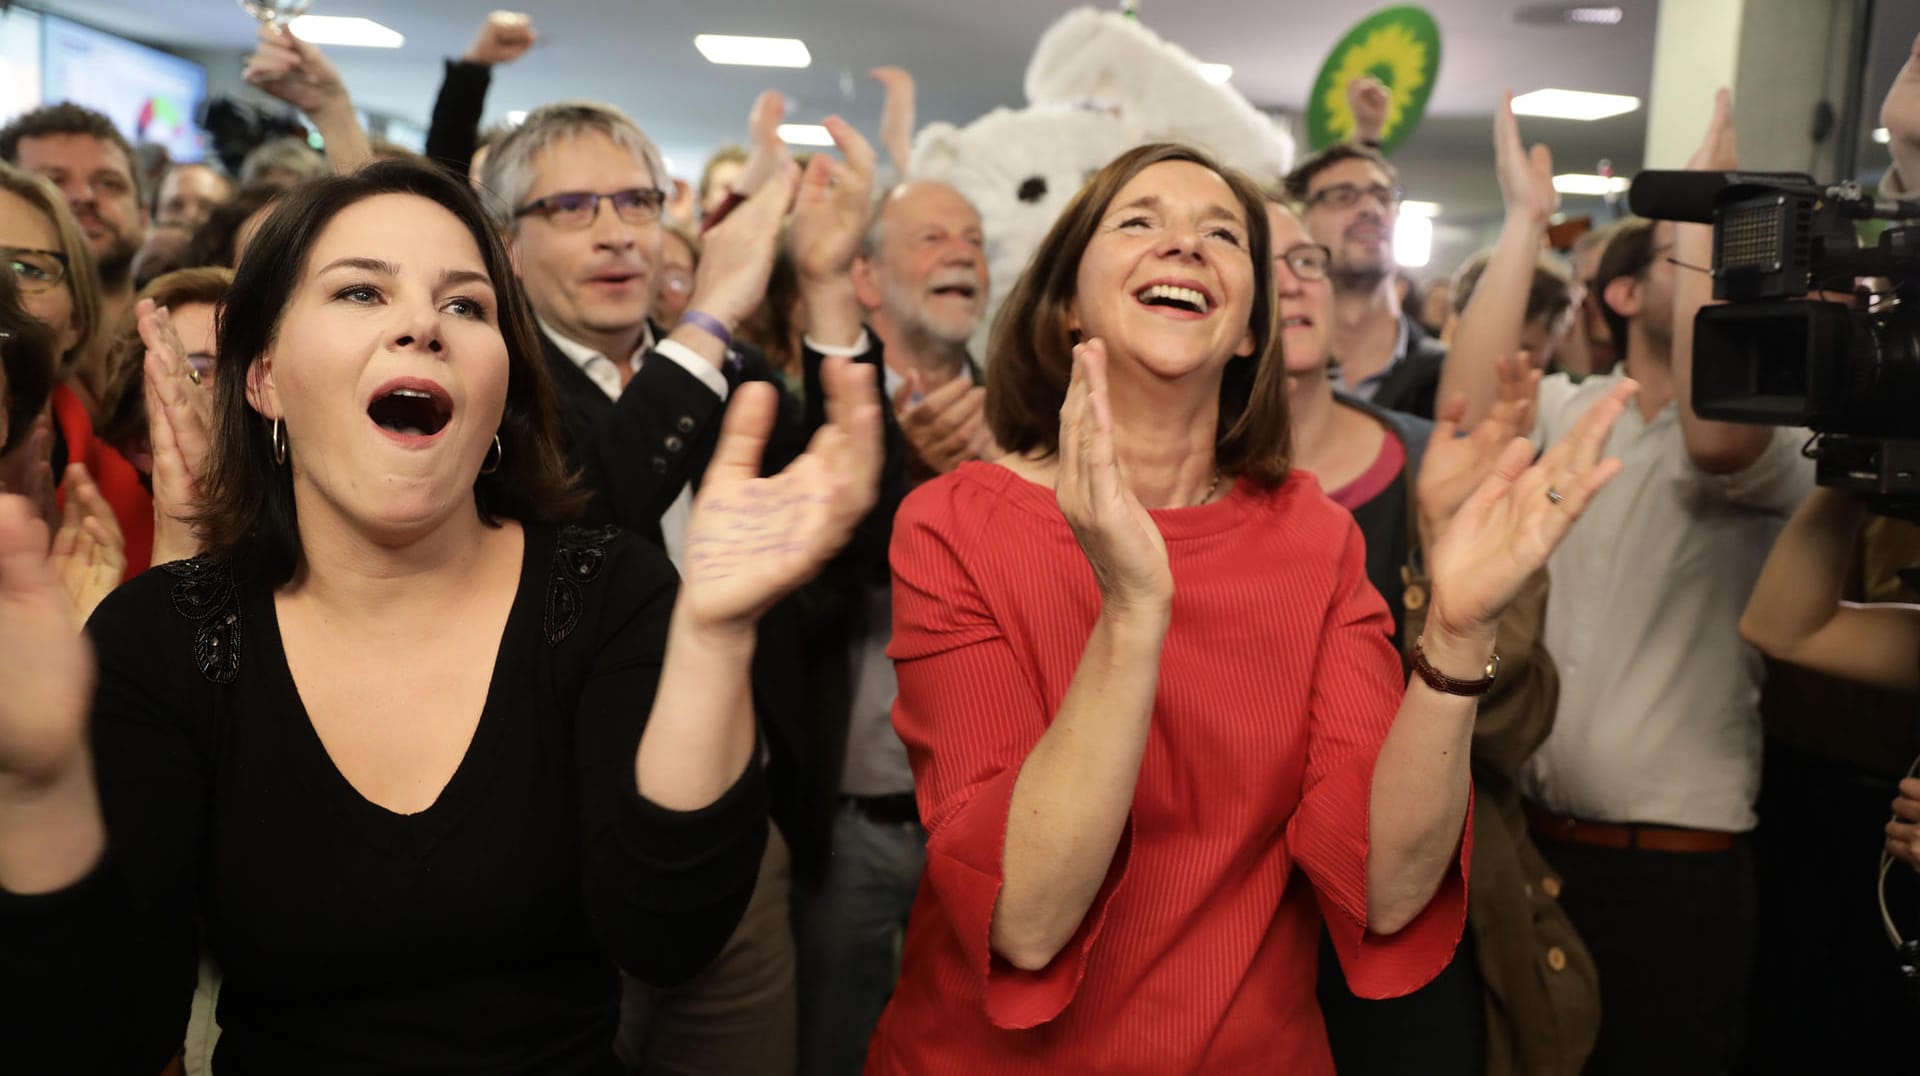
(1714, 447)
(1075, 789)
(750, 542)
(301, 75)
(1900, 115)
(1797, 614)
(1489, 328)
(504, 37)
(829, 219)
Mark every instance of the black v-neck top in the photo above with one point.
(478, 936)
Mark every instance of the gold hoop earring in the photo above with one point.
(496, 455)
(279, 444)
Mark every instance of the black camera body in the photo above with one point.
(1778, 354)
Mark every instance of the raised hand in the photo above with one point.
(1719, 150)
(737, 254)
(1121, 541)
(830, 213)
(752, 540)
(1526, 176)
(946, 427)
(896, 115)
(1516, 518)
(45, 665)
(503, 38)
(89, 554)
(1369, 100)
(294, 71)
(767, 155)
(179, 429)
(1454, 466)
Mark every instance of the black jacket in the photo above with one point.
(1414, 381)
(455, 130)
(635, 454)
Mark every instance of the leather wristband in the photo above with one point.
(708, 324)
(1447, 685)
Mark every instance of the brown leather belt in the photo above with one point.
(1648, 838)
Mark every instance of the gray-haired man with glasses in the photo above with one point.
(1352, 198)
(577, 189)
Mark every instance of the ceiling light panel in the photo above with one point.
(805, 134)
(1589, 184)
(753, 51)
(1573, 104)
(349, 30)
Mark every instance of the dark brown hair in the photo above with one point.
(26, 354)
(1629, 253)
(213, 241)
(1301, 177)
(67, 118)
(248, 509)
(1549, 296)
(1031, 349)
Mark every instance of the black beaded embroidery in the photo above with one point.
(206, 594)
(578, 555)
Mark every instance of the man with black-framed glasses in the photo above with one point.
(576, 190)
(1352, 197)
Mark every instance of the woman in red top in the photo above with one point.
(1143, 677)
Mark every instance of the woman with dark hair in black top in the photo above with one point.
(422, 761)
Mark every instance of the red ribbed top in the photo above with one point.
(1277, 686)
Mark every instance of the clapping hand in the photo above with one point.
(1454, 465)
(1900, 115)
(179, 428)
(45, 665)
(830, 211)
(1517, 516)
(1121, 541)
(946, 427)
(768, 155)
(89, 554)
(1719, 150)
(752, 540)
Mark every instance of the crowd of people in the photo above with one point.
(508, 610)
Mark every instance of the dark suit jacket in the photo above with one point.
(1414, 382)
(635, 454)
(863, 563)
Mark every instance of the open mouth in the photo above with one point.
(955, 291)
(1175, 297)
(1296, 321)
(411, 409)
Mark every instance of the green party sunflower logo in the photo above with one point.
(1400, 46)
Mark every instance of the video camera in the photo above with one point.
(1773, 356)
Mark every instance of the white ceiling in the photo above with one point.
(968, 56)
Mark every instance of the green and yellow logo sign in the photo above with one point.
(1400, 46)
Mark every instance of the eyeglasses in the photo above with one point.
(1309, 261)
(36, 270)
(577, 209)
(1347, 195)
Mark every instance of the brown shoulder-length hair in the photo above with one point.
(1030, 352)
(247, 508)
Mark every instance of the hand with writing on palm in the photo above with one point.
(752, 540)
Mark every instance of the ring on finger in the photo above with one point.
(1555, 495)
